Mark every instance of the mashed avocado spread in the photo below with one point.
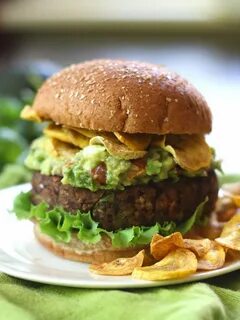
(77, 166)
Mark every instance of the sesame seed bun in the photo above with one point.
(123, 96)
(89, 253)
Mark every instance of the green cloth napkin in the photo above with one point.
(217, 299)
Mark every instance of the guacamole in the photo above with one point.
(75, 166)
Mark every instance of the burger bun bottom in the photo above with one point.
(90, 253)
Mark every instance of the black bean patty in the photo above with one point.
(141, 205)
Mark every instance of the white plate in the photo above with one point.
(23, 257)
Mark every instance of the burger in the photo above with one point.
(122, 157)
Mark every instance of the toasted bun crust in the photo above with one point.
(78, 251)
(123, 96)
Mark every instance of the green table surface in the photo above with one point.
(218, 298)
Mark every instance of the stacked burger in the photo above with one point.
(122, 157)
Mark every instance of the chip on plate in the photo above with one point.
(230, 236)
(232, 191)
(120, 266)
(213, 259)
(199, 246)
(178, 263)
(161, 246)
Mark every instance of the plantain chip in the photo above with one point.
(115, 148)
(158, 141)
(161, 246)
(66, 135)
(120, 266)
(236, 200)
(232, 191)
(213, 259)
(86, 133)
(190, 152)
(178, 263)
(29, 114)
(135, 142)
(230, 236)
(63, 149)
(199, 246)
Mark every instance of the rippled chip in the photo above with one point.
(191, 152)
(136, 142)
(66, 135)
(30, 114)
(230, 236)
(213, 259)
(178, 263)
(115, 148)
(120, 266)
(232, 191)
(85, 132)
(63, 149)
(199, 246)
(161, 246)
(158, 141)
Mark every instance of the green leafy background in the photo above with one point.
(18, 86)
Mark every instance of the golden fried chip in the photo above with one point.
(66, 135)
(158, 141)
(213, 259)
(84, 132)
(161, 246)
(191, 152)
(199, 246)
(136, 142)
(230, 236)
(232, 191)
(115, 148)
(178, 263)
(135, 172)
(236, 200)
(232, 255)
(63, 149)
(120, 266)
(29, 114)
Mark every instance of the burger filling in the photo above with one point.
(96, 166)
(127, 186)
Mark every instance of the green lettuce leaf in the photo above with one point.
(60, 224)
(194, 219)
(22, 206)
